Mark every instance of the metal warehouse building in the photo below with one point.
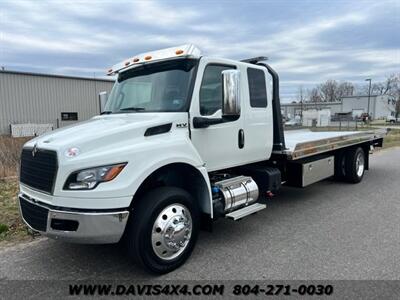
(380, 106)
(48, 99)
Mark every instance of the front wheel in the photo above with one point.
(163, 229)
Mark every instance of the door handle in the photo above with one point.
(241, 138)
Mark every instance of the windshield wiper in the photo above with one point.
(132, 108)
(106, 112)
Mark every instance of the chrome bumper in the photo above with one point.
(74, 226)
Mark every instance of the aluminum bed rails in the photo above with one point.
(303, 143)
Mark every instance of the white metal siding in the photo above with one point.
(384, 106)
(379, 105)
(32, 98)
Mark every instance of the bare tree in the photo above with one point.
(397, 109)
(390, 86)
(345, 89)
(395, 92)
(300, 94)
(301, 99)
(328, 90)
(313, 95)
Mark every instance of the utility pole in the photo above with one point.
(301, 104)
(301, 110)
(369, 94)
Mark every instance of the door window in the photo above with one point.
(211, 89)
(257, 87)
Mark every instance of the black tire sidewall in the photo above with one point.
(340, 166)
(351, 165)
(143, 218)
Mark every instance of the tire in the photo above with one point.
(340, 162)
(392, 121)
(151, 224)
(354, 165)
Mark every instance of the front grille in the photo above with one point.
(39, 170)
(34, 215)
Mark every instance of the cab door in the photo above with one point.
(219, 144)
(257, 113)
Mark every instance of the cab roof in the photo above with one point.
(188, 50)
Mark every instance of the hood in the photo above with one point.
(105, 130)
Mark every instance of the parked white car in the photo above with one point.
(392, 119)
(293, 122)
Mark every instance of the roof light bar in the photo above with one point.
(187, 50)
(255, 60)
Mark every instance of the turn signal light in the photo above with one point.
(135, 60)
(178, 52)
(148, 57)
(113, 172)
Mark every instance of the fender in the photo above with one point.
(182, 174)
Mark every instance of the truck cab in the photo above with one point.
(183, 139)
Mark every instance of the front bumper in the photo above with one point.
(86, 227)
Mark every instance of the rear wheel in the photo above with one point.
(163, 229)
(354, 165)
(340, 166)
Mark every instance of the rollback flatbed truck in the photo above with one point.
(182, 140)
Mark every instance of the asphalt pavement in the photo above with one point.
(327, 231)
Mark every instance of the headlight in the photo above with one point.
(88, 179)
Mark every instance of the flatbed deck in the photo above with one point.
(303, 143)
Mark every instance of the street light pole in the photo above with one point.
(369, 93)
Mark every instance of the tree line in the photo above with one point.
(332, 90)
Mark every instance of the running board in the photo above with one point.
(244, 212)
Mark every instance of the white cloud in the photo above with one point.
(159, 15)
(21, 42)
(382, 57)
(299, 47)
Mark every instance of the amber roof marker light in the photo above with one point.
(162, 54)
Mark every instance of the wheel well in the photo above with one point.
(365, 147)
(179, 175)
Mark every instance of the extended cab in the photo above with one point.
(183, 140)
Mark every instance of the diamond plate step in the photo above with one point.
(245, 211)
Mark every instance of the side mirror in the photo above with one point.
(230, 93)
(103, 97)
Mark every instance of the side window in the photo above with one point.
(257, 88)
(211, 89)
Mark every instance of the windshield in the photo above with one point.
(157, 87)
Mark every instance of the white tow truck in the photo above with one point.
(183, 140)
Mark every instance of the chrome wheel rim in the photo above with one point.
(360, 164)
(171, 231)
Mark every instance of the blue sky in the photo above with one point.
(307, 42)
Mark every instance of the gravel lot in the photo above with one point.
(328, 231)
